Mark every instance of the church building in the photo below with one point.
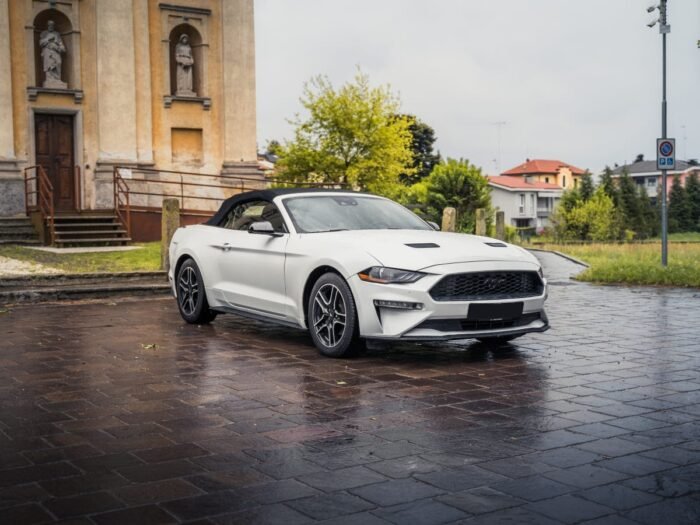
(108, 106)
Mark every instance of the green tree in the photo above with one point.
(460, 185)
(586, 188)
(570, 199)
(351, 136)
(608, 184)
(649, 215)
(679, 212)
(629, 203)
(273, 147)
(692, 189)
(424, 157)
(595, 219)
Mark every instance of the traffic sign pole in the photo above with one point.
(664, 28)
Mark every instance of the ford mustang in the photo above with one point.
(351, 266)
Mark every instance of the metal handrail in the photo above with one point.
(43, 197)
(122, 188)
(169, 188)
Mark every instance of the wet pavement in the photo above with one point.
(117, 412)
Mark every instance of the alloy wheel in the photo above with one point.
(329, 315)
(189, 290)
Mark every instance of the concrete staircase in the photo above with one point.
(17, 230)
(89, 229)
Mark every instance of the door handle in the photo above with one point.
(225, 247)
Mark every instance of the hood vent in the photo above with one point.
(422, 245)
(496, 244)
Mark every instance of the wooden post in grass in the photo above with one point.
(449, 219)
(170, 221)
(481, 221)
(500, 225)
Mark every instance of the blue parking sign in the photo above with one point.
(665, 154)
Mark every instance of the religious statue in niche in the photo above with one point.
(185, 63)
(52, 48)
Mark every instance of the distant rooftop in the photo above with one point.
(535, 166)
(520, 183)
(649, 166)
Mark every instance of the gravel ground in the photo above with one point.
(14, 267)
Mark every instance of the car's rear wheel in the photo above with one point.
(332, 317)
(191, 296)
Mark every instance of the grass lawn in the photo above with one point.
(637, 263)
(686, 236)
(147, 258)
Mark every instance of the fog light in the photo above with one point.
(399, 305)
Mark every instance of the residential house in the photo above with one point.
(524, 203)
(556, 172)
(645, 174)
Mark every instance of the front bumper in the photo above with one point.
(441, 320)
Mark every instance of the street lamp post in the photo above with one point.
(664, 29)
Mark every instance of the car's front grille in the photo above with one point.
(464, 325)
(480, 286)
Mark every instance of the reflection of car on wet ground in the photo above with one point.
(349, 266)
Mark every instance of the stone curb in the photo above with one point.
(87, 291)
(568, 257)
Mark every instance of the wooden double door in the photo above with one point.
(54, 146)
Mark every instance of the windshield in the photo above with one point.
(344, 212)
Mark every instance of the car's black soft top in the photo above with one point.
(264, 195)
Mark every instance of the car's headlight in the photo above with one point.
(382, 275)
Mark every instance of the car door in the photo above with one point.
(251, 265)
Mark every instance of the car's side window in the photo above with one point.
(242, 216)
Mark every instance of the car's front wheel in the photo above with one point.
(191, 297)
(332, 317)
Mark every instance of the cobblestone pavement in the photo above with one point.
(118, 413)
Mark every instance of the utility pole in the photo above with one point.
(499, 125)
(664, 29)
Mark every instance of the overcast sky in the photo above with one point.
(578, 81)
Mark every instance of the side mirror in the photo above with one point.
(434, 225)
(263, 228)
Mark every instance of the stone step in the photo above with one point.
(20, 242)
(92, 232)
(78, 218)
(93, 241)
(68, 225)
(19, 230)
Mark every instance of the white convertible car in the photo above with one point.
(350, 266)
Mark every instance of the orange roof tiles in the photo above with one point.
(520, 183)
(535, 166)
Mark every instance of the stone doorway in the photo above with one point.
(54, 143)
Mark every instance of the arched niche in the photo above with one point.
(195, 41)
(63, 26)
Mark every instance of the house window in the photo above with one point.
(546, 179)
(563, 178)
(575, 183)
(651, 182)
(532, 203)
(521, 208)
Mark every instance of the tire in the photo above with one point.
(191, 297)
(332, 317)
(498, 340)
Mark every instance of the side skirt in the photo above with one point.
(258, 315)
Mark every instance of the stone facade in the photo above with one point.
(118, 84)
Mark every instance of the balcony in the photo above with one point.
(543, 212)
